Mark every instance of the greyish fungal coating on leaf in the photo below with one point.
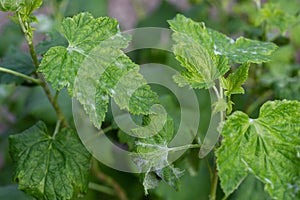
(152, 157)
(267, 147)
(93, 67)
(53, 168)
(205, 53)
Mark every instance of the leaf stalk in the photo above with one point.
(37, 81)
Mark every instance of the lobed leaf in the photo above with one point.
(83, 33)
(54, 38)
(201, 69)
(50, 167)
(242, 50)
(267, 147)
(9, 5)
(232, 84)
(93, 68)
(274, 16)
(25, 6)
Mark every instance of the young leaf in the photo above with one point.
(50, 167)
(25, 7)
(274, 16)
(240, 51)
(268, 147)
(152, 158)
(9, 5)
(202, 68)
(232, 84)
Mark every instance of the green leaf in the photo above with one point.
(234, 81)
(124, 138)
(93, 68)
(242, 50)
(54, 38)
(16, 60)
(219, 106)
(201, 69)
(274, 16)
(23, 6)
(157, 122)
(251, 189)
(83, 33)
(50, 167)
(267, 147)
(152, 156)
(28, 6)
(119, 80)
(9, 5)
(127, 86)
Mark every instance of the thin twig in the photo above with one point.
(214, 185)
(119, 191)
(209, 169)
(28, 35)
(102, 188)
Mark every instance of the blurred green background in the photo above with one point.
(21, 105)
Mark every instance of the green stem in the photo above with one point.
(188, 146)
(214, 185)
(102, 188)
(215, 176)
(25, 26)
(56, 96)
(107, 129)
(211, 175)
(37, 81)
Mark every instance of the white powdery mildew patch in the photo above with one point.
(104, 97)
(60, 83)
(269, 182)
(247, 166)
(295, 188)
(112, 91)
(216, 51)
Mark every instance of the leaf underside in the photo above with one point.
(151, 157)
